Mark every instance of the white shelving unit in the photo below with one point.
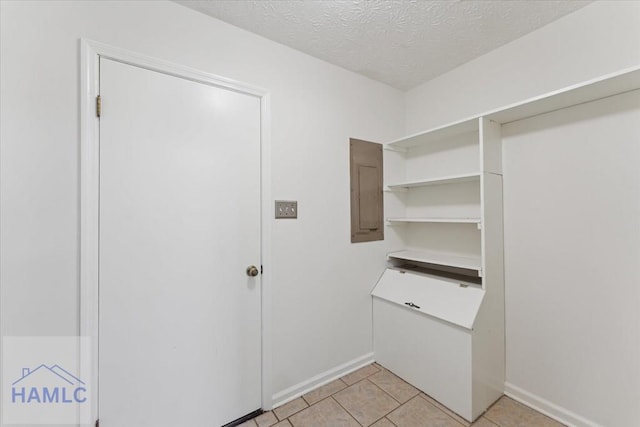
(447, 336)
(446, 179)
(437, 194)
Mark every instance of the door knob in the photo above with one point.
(252, 271)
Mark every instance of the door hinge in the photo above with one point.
(98, 423)
(98, 111)
(261, 270)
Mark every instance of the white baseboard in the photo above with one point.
(541, 405)
(326, 377)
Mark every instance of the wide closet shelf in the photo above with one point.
(452, 179)
(601, 87)
(473, 263)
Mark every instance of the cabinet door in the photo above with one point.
(366, 191)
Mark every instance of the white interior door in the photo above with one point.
(179, 339)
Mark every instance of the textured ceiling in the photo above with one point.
(401, 43)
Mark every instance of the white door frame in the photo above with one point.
(91, 52)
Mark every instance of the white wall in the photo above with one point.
(572, 251)
(572, 324)
(321, 307)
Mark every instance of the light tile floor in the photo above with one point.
(374, 396)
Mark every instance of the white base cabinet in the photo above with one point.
(412, 345)
(429, 332)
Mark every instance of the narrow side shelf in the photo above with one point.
(448, 260)
(437, 134)
(436, 220)
(436, 181)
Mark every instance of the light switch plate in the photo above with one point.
(286, 209)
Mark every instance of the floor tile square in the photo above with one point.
(284, 423)
(326, 413)
(366, 402)
(249, 423)
(324, 391)
(266, 420)
(394, 386)
(290, 408)
(419, 413)
(506, 412)
(360, 374)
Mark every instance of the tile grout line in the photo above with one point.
(375, 385)
(336, 402)
(490, 420)
(379, 369)
(389, 394)
(495, 422)
(306, 401)
(361, 379)
(345, 409)
(290, 415)
(378, 419)
(447, 414)
(396, 400)
(331, 394)
(484, 414)
(396, 425)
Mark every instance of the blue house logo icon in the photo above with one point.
(48, 385)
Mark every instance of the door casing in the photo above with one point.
(91, 52)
